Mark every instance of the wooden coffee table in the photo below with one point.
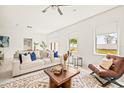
(63, 80)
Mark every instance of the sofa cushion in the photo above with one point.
(36, 63)
(47, 60)
(57, 60)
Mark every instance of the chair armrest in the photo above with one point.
(95, 68)
(108, 73)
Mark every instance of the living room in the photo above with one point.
(28, 28)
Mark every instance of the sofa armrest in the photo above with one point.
(15, 67)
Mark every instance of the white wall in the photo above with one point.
(17, 35)
(84, 31)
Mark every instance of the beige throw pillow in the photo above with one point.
(38, 55)
(106, 63)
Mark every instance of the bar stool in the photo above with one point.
(74, 61)
(78, 61)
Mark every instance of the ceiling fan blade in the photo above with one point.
(60, 12)
(46, 9)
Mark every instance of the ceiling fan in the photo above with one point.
(54, 6)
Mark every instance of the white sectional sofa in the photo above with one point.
(19, 69)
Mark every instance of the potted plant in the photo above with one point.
(35, 44)
(65, 56)
(43, 45)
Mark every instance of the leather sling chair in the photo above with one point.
(111, 75)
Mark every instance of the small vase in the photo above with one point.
(64, 66)
(65, 61)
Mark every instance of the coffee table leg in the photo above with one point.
(52, 84)
(67, 84)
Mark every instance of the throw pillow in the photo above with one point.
(41, 55)
(106, 63)
(26, 58)
(38, 56)
(20, 58)
(51, 57)
(25, 54)
(45, 54)
(56, 54)
(33, 56)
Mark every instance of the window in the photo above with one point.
(107, 43)
(54, 46)
(73, 45)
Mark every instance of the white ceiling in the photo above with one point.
(31, 15)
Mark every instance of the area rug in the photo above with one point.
(41, 80)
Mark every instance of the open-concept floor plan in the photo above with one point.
(61, 46)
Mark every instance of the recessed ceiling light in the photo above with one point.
(17, 24)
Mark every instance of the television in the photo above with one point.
(4, 41)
